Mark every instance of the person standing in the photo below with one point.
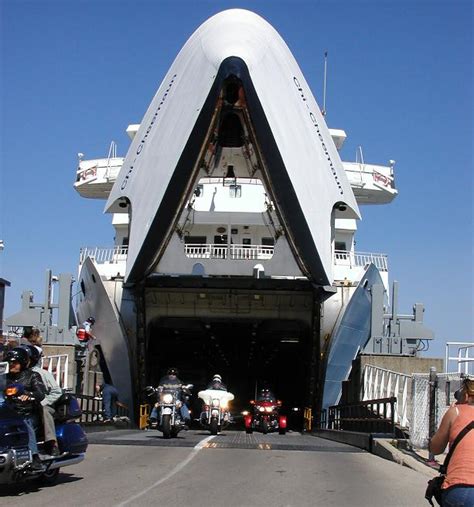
(458, 485)
(110, 401)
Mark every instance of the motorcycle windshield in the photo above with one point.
(175, 393)
(211, 394)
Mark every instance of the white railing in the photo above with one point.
(464, 358)
(234, 252)
(99, 255)
(59, 366)
(382, 383)
(360, 259)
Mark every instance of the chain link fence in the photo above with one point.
(444, 386)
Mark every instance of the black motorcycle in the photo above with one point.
(168, 408)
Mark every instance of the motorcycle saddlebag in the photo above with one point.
(71, 438)
(67, 408)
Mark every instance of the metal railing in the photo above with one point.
(93, 411)
(101, 255)
(116, 254)
(233, 252)
(381, 383)
(360, 259)
(464, 358)
(371, 416)
(58, 365)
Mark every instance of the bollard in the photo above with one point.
(144, 414)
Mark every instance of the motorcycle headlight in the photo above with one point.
(261, 409)
(167, 398)
(268, 409)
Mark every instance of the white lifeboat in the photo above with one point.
(95, 178)
(371, 184)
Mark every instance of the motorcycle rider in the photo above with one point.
(171, 381)
(27, 404)
(217, 384)
(53, 393)
(266, 395)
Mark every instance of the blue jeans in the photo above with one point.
(109, 401)
(30, 423)
(458, 497)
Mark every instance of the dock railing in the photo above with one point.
(380, 383)
(371, 416)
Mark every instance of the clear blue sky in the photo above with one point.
(74, 74)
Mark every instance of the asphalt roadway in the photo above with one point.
(233, 469)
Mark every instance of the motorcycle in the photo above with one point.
(265, 417)
(168, 405)
(16, 460)
(215, 415)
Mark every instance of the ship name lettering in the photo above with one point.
(315, 123)
(147, 132)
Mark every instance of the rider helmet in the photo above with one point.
(33, 354)
(91, 320)
(172, 371)
(217, 378)
(18, 354)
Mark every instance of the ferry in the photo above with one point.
(234, 221)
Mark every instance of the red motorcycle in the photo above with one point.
(265, 417)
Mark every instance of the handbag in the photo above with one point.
(434, 485)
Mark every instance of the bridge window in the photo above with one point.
(199, 191)
(339, 245)
(235, 190)
(195, 240)
(268, 242)
(221, 239)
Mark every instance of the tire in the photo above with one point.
(166, 425)
(265, 427)
(49, 478)
(282, 431)
(214, 426)
(249, 431)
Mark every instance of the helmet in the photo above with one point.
(217, 378)
(33, 352)
(172, 371)
(91, 320)
(18, 354)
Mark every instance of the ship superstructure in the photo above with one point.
(234, 223)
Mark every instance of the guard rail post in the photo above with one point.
(433, 384)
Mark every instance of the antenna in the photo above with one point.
(324, 85)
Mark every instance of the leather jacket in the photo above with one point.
(34, 388)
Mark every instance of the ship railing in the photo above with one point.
(233, 252)
(382, 383)
(464, 358)
(58, 366)
(100, 255)
(358, 259)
